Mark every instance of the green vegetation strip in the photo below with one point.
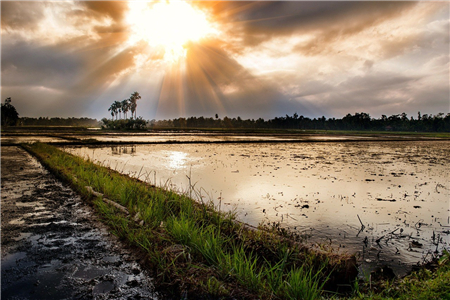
(194, 247)
(424, 284)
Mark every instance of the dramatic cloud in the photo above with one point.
(21, 15)
(256, 59)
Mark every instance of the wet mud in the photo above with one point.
(52, 246)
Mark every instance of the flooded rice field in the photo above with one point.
(165, 137)
(17, 139)
(386, 201)
(208, 137)
(159, 138)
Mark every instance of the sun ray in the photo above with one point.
(171, 96)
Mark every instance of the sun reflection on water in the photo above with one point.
(177, 159)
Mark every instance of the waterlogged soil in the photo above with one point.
(208, 137)
(52, 247)
(14, 138)
(18, 139)
(386, 201)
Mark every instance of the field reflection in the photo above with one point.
(399, 191)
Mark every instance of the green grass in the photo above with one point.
(419, 285)
(188, 243)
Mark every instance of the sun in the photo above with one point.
(167, 25)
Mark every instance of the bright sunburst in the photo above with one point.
(170, 25)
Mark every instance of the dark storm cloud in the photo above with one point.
(40, 79)
(27, 63)
(58, 66)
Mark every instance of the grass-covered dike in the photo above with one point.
(195, 251)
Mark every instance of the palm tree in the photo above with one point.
(125, 104)
(112, 110)
(133, 103)
(117, 107)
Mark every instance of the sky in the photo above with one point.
(230, 58)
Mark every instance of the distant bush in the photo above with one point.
(124, 124)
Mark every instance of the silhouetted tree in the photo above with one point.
(10, 116)
(133, 100)
(112, 109)
(126, 105)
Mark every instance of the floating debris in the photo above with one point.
(387, 200)
(416, 244)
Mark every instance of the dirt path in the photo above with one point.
(51, 247)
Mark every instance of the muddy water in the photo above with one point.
(399, 191)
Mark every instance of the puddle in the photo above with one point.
(399, 191)
(12, 260)
(89, 272)
(18, 221)
(112, 259)
(29, 204)
(44, 215)
(103, 287)
(23, 235)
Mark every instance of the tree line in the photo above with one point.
(10, 117)
(57, 121)
(358, 121)
(118, 109)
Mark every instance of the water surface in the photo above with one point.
(399, 191)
